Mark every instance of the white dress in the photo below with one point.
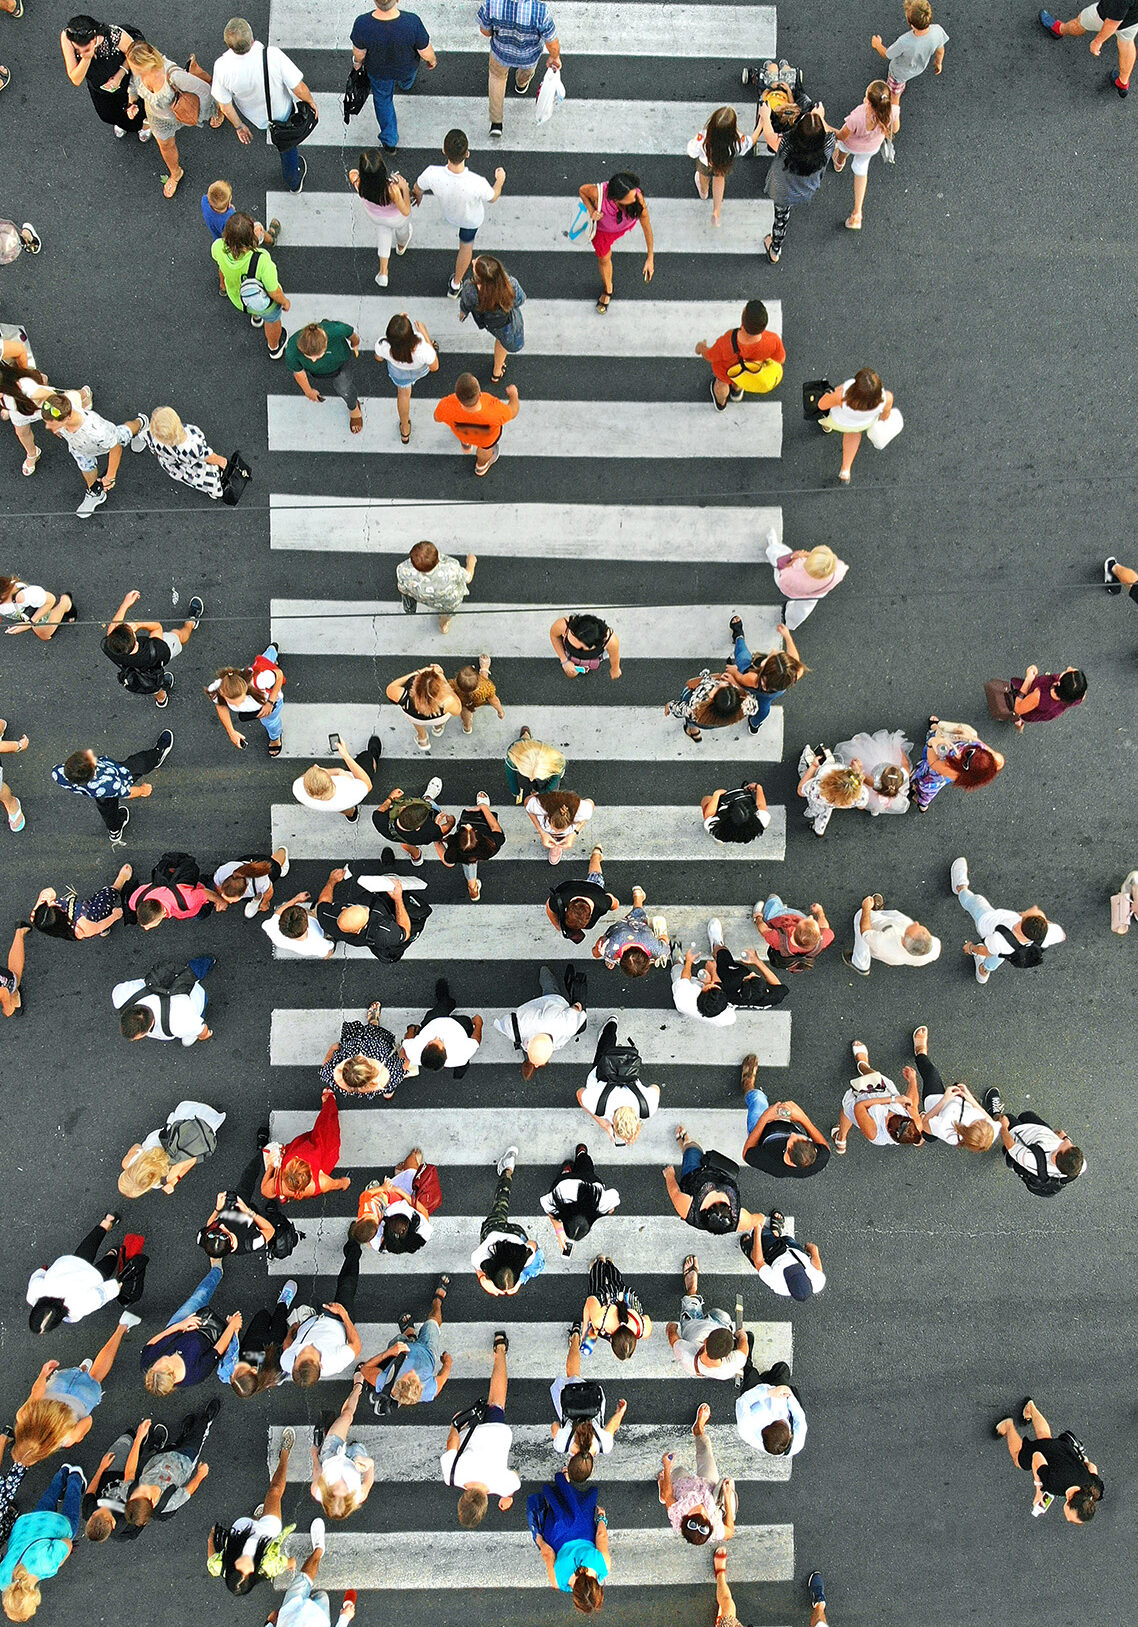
(884, 748)
(186, 462)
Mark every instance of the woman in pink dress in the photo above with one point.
(616, 206)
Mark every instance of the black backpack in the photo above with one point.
(173, 870)
(165, 980)
(142, 680)
(1041, 1184)
(582, 1401)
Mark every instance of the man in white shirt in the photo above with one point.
(76, 1284)
(704, 1342)
(239, 91)
(1045, 1160)
(890, 937)
(543, 1026)
(769, 1415)
(296, 931)
(787, 1267)
(323, 1345)
(443, 1040)
(699, 994)
(1005, 935)
(463, 196)
(158, 1007)
(478, 1459)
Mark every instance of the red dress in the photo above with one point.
(319, 1147)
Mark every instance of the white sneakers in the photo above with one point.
(958, 876)
(507, 1161)
(715, 932)
(317, 1536)
(434, 789)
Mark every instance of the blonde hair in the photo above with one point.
(338, 1505)
(22, 1595)
(819, 562)
(234, 685)
(220, 194)
(407, 1389)
(166, 427)
(977, 1136)
(626, 1123)
(472, 1506)
(159, 1381)
(145, 1171)
(41, 1429)
(141, 55)
(318, 783)
(840, 787)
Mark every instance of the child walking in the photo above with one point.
(911, 53)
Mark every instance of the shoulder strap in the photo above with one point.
(518, 1046)
(251, 271)
(268, 92)
(462, 1445)
(621, 1084)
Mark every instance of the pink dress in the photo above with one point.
(794, 582)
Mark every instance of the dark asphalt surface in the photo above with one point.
(992, 288)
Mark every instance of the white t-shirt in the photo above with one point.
(463, 195)
(619, 1096)
(185, 1010)
(687, 1353)
(422, 355)
(584, 812)
(568, 1190)
(76, 1282)
(346, 792)
(255, 886)
(458, 1044)
(27, 598)
(329, 1336)
(485, 1462)
(1005, 942)
(956, 1114)
(549, 1014)
(1035, 1135)
(313, 946)
(883, 940)
(880, 1111)
(774, 1275)
(241, 80)
(685, 991)
(186, 1110)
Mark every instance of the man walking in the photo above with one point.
(545, 1024)
(108, 782)
(90, 437)
(518, 31)
(389, 44)
(421, 1366)
(705, 1342)
(888, 936)
(436, 581)
(1019, 939)
(319, 358)
(443, 1040)
(142, 661)
(706, 1195)
(477, 1459)
(165, 1004)
(768, 1414)
(463, 196)
(239, 91)
(476, 419)
(326, 1343)
(1109, 17)
(788, 1268)
(1045, 1160)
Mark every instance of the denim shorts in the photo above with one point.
(467, 234)
(75, 1386)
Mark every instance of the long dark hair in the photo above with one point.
(721, 141)
(619, 186)
(400, 336)
(375, 183)
(231, 1546)
(53, 920)
(803, 147)
(495, 290)
(11, 374)
(81, 29)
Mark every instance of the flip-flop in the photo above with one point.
(839, 1145)
(405, 437)
(922, 1028)
(356, 423)
(169, 190)
(603, 304)
(496, 378)
(853, 225)
(771, 255)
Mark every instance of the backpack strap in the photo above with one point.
(633, 1086)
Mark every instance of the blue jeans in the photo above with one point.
(383, 100)
(201, 967)
(757, 1105)
(272, 724)
(692, 1156)
(66, 1484)
(200, 1297)
(977, 905)
(743, 659)
(290, 169)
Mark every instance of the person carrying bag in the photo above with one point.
(287, 133)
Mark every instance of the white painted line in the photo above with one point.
(641, 1557)
(584, 28)
(554, 327)
(300, 1036)
(577, 531)
(626, 834)
(623, 734)
(618, 431)
(380, 627)
(519, 224)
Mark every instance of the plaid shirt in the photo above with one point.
(110, 779)
(519, 27)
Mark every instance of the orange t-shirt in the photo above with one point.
(758, 347)
(477, 426)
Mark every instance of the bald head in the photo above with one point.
(540, 1049)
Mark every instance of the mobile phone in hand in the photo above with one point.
(334, 742)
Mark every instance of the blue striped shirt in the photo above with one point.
(519, 27)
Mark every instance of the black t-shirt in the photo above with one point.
(725, 829)
(1123, 12)
(427, 832)
(383, 935)
(767, 1153)
(559, 899)
(151, 655)
(1063, 1467)
(747, 990)
(489, 839)
(244, 1227)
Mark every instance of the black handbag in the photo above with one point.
(582, 1401)
(812, 392)
(356, 93)
(287, 133)
(234, 478)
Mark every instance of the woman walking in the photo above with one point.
(303, 1168)
(715, 149)
(709, 702)
(768, 676)
(77, 1284)
(24, 389)
(256, 1363)
(582, 641)
(494, 299)
(159, 84)
(57, 1413)
(366, 1061)
(574, 1204)
(253, 691)
(613, 1311)
(428, 700)
(951, 1114)
(94, 54)
(74, 918)
(387, 199)
(800, 157)
(532, 766)
(233, 254)
(192, 1345)
(826, 785)
(579, 1407)
(700, 1506)
(616, 206)
(410, 354)
(851, 409)
(572, 1537)
(41, 1542)
(24, 605)
(863, 133)
(167, 1155)
(559, 817)
(477, 836)
(252, 1548)
(884, 1118)
(184, 452)
(954, 754)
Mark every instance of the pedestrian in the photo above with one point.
(438, 582)
(802, 576)
(11, 975)
(1058, 1465)
(746, 360)
(613, 1095)
(239, 79)
(88, 438)
(495, 299)
(161, 85)
(168, 1479)
(864, 131)
(23, 390)
(104, 1501)
(57, 1413)
(477, 836)
(10, 803)
(303, 1168)
(319, 357)
(715, 149)
(1109, 17)
(725, 1607)
(789, 1268)
(475, 688)
(951, 1113)
(889, 936)
(338, 790)
(953, 754)
(218, 208)
(167, 1155)
(576, 1201)
(108, 782)
(463, 197)
(699, 994)
(477, 1456)
(94, 54)
(185, 454)
(24, 605)
(175, 892)
(884, 1118)
(256, 1357)
(342, 1471)
(76, 919)
(706, 1194)
(709, 702)
(582, 641)
(234, 1226)
(705, 1342)
(389, 45)
(248, 276)
(428, 700)
(414, 1366)
(1038, 697)
(613, 1312)
(191, 1346)
(1045, 1160)
(476, 419)
(294, 929)
(764, 678)
(252, 1548)
(571, 1534)
(383, 913)
(794, 938)
(852, 409)
(326, 1342)
(580, 1432)
(386, 198)
(253, 691)
(574, 907)
(76, 1284)
(41, 1542)
(518, 31)
(543, 1025)
(443, 1040)
(911, 53)
(506, 1258)
(768, 1414)
(559, 817)
(394, 1215)
(615, 206)
(825, 785)
(532, 766)
(801, 154)
(782, 1140)
(701, 1507)
(251, 881)
(410, 354)
(884, 762)
(747, 982)
(303, 1604)
(1018, 938)
(636, 943)
(143, 651)
(366, 1061)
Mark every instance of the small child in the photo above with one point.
(911, 54)
(217, 206)
(463, 196)
(474, 688)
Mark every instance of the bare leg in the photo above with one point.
(421, 736)
(272, 332)
(1071, 29)
(312, 1564)
(105, 1360)
(499, 358)
(718, 182)
(11, 806)
(169, 151)
(573, 1356)
(1038, 1422)
(10, 1002)
(277, 1485)
(435, 1314)
(851, 441)
(498, 1379)
(818, 1616)
(45, 625)
(462, 261)
(724, 1602)
(1123, 574)
(26, 439)
(1126, 57)
(403, 408)
(860, 182)
(605, 267)
(1013, 1440)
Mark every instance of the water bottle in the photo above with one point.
(588, 1341)
(1041, 1508)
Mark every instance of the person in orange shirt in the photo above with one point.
(477, 419)
(750, 344)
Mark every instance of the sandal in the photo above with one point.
(29, 464)
(771, 255)
(172, 183)
(719, 1561)
(839, 1142)
(603, 304)
(356, 422)
(681, 1134)
(474, 891)
(216, 123)
(276, 747)
(501, 1339)
(441, 1287)
(496, 378)
(691, 1269)
(374, 1011)
(923, 1029)
(405, 434)
(860, 1053)
(405, 1321)
(692, 734)
(853, 224)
